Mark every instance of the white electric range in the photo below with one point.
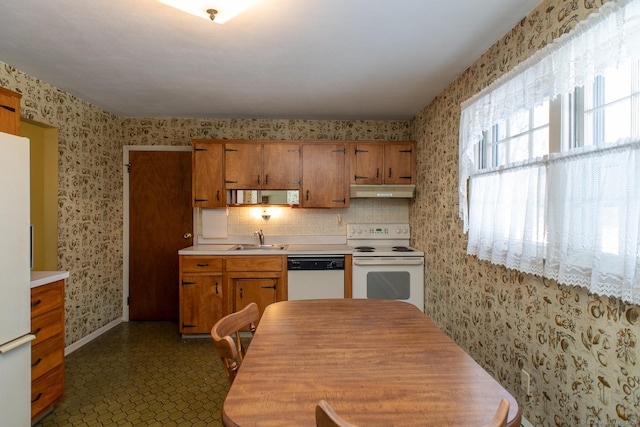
(384, 265)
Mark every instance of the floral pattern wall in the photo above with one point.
(581, 350)
(90, 189)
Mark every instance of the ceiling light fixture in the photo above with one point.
(218, 11)
(212, 13)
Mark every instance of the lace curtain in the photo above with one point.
(593, 220)
(602, 41)
(507, 225)
(573, 217)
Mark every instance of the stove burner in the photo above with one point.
(401, 249)
(365, 249)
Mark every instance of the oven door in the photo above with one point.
(399, 278)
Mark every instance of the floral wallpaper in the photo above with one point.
(581, 350)
(90, 189)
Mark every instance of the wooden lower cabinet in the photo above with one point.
(47, 350)
(259, 279)
(225, 284)
(201, 293)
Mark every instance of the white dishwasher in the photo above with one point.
(315, 277)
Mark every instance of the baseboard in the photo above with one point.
(92, 336)
(525, 423)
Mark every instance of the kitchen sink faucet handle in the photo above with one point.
(260, 235)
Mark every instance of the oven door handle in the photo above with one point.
(391, 261)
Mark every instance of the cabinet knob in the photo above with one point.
(186, 236)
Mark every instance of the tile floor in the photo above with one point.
(142, 374)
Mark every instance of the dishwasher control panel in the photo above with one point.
(315, 263)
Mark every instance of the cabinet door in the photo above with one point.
(369, 164)
(399, 163)
(243, 166)
(201, 303)
(207, 189)
(281, 166)
(262, 291)
(9, 111)
(324, 180)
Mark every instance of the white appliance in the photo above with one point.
(315, 277)
(384, 265)
(15, 278)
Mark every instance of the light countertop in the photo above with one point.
(39, 278)
(292, 249)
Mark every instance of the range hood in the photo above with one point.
(382, 191)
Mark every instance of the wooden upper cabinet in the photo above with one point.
(399, 163)
(207, 179)
(368, 166)
(9, 111)
(268, 166)
(324, 175)
(242, 166)
(281, 166)
(382, 163)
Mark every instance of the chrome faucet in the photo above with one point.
(260, 235)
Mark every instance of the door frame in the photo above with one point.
(125, 212)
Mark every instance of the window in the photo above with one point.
(550, 159)
(523, 136)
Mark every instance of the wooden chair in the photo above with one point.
(327, 417)
(232, 352)
(500, 417)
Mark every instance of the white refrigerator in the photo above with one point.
(15, 279)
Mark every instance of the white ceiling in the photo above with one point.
(287, 59)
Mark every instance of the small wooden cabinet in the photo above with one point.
(207, 174)
(261, 166)
(376, 163)
(9, 111)
(324, 175)
(201, 293)
(213, 286)
(47, 350)
(259, 279)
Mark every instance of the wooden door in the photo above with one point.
(399, 163)
(160, 215)
(243, 166)
(368, 164)
(201, 303)
(324, 180)
(281, 166)
(207, 188)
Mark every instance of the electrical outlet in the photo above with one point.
(525, 382)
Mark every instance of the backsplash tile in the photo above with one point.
(320, 222)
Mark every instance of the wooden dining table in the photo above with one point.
(376, 362)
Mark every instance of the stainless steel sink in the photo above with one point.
(249, 247)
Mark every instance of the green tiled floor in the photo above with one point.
(142, 374)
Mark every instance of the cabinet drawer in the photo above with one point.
(46, 356)
(47, 325)
(201, 264)
(256, 263)
(47, 297)
(46, 390)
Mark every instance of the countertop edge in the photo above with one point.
(39, 278)
(291, 250)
